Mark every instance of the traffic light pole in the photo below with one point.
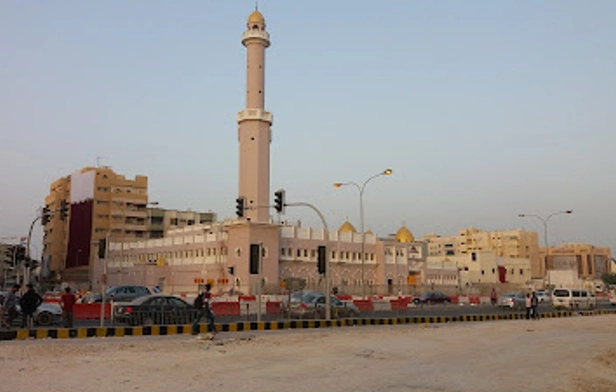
(328, 298)
(25, 268)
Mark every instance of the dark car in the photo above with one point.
(119, 294)
(311, 304)
(432, 297)
(154, 310)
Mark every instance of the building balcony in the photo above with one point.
(256, 34)
(255, 114)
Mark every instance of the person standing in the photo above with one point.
(493, 296)
(203, 306)
(528, 306)
(534, 304)
(10, 305)
(29, 302)
(67, 303)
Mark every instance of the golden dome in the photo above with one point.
(347, 227)
(404, 235)
(256, 17)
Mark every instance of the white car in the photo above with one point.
(544, 296)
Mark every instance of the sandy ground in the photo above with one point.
(570, 354)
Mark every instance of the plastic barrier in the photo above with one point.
(364, 305)
(273, 308)
(399, 304)
(455, 299)
(381, 305)
(247, 298)
(344, 297)
(226, 308)
(90, 311)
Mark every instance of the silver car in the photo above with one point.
(311, 305)
(512, 301)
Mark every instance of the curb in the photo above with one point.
(167, 330)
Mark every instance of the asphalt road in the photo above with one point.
(419, 311)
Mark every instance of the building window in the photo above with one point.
(474, 256)
(521, 271)
(312, 254)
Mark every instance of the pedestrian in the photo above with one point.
(67, 303)
(203, 305)
(10, 305)
(29, 302)
(493, 296)
(534, 304)
(528, 306)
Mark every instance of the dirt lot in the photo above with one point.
(571, 354)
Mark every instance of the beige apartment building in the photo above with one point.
(589, 261)
(160, 220)
(102, 203)
(511, 244)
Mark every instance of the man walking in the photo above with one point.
(528, 306)
(534, 304)
(29, 302)
(203, 306)
(67, 303)
(10, 305)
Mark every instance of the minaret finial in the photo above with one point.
(256, 6)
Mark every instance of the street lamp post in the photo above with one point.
(545, 228)
(361, 190)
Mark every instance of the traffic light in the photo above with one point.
(45, 216)
(279, 201)
(255, 258)
(239, 209)
(102, 248)
(63, 210)
(321, 262)
(20, 252)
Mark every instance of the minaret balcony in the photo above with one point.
(255, 114)
(256, 34)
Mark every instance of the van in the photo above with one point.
(573, 299)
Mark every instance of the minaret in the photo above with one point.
(254, 123)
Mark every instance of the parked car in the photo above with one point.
(153, 310)
(45, 315)
(119, 294)
(432, 297)
(544, 296)
(612, 297)
(573, 298)
(311, 305)
(512, 301)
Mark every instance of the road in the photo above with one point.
(419, 311)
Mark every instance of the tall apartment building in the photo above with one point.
(514, 244)
(102, 203)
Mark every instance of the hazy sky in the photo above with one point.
(483, 109)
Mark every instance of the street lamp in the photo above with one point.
(545, 228)
(361, 189)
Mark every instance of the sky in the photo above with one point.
(483, 110)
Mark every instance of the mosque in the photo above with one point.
(219, 253)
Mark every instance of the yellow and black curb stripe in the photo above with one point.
(165, 330)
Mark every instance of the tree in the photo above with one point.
(608, 278)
